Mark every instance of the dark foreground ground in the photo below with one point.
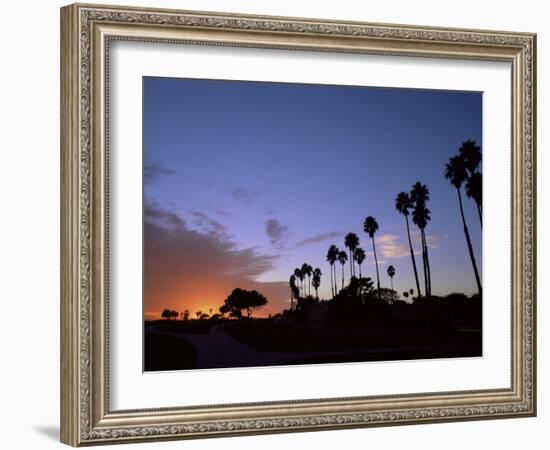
(205, 344)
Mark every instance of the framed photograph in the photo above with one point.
(275, 224)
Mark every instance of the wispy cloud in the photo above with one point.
(390, 246)
(276, 231)
(209, 225)
(153, 172)
(319, 238)
(242, 194)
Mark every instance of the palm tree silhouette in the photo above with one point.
(420, 195)
(300, 275)
(470, 153)
(317, 281)
(359, 256)
(391, 273)
(371, 226)
(307, 271)
(332, 256)
(455, 172)
(351, 241)
(404, 204)
(293, 289)
(342, 258)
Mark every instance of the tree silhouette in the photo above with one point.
(351, 241)
(294, 291)
(307, 270)
(359, 256)
(342, 258)
(470, 153)
(240, 299)
(391, 274)
(186, 314)
(300, 275)
(404, 204)
(198, 314)
(420, 195)
(371, 226)
(455, 172)
(332, 256)
(317, 281)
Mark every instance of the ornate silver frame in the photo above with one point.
(86, 31)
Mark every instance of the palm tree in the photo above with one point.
(359, 256)
(342, 258)
(371, 226)
(455, 172)
(332, 256)
(307, 271)
(420, 195)
(351, 241)
(300, 275)
(293, 289)
(470, 153)
(391, 273)
(403, 204)
(317, 281)
(474, 191)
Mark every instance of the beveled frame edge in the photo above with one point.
(85, 33)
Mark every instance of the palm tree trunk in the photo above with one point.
(360, 275)
(331, 282)
(424, 263)
(479, 212)
(413, 258)
(376, 262)
(350, 264)
(469, 242)
(342, 276)
(429, 270)
(391, 281)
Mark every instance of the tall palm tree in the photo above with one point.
(474, 191)
(332, 256)
(300, 275)
(404, 204)
(420, 195)
(293, 288)
(359, 256)
(371, 227)
(342, 258)
(317, 281)
(470, 153)
(455, 172)
(391, 274)
(307, 270)
(351, 241)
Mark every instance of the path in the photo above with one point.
(217, 349)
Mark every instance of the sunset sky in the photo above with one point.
(244, 181)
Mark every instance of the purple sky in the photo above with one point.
(244, 181)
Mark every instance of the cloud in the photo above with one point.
(243, 194)
(209, 225)
(390, 247)
(155, 214)
(153, 172)
(319, 238)
(193, 269)
(276, 231)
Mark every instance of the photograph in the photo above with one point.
(292, 223)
